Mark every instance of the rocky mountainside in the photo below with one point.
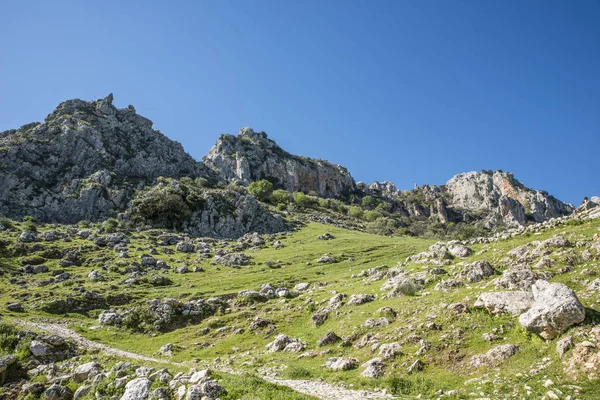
(90, 161)
(85, 160)
(251, 156)
(491, 197)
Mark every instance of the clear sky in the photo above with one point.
(406, 91)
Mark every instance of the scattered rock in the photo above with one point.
(341, 364)
(494, 357)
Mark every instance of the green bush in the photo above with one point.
(302, 200)
(262, 189)
(162, 207)
(369, 202)
(280, 196)
(6, 222)
(371, 215)
(324, 203)
(382, 226)
(355, 212)
(29, 226)
(111, 225)
(8, 337)
(29, 218)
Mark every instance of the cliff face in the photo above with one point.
(84, 161)
(501, 195)
(251, 156)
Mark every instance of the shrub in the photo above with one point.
(324, 203)
(371, 215)
(302, 200)
(29, 226)
(262, 189)
(163, 207)
(355, 212)
(6, 222)
(29, 218)
(111, 225)
(369, 202)
(280, 196)
(382, 226)
(281, 206)
(8, 337)
(297, 373)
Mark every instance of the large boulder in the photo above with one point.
(514, 303)
(555, 309)
(137, 389)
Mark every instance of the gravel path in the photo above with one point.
(326, 391)
(321, 390)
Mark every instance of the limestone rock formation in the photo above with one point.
(84, 161)
(504, 197)
(251, 156)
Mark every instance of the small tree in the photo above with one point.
(262, 189)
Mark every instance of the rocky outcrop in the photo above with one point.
(503, 197)
(85, 160)
(251, 156)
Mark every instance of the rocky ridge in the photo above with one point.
(90, 160)
(251, 156)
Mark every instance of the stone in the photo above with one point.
(58, 392)
(358, 299)
(301, 287)
(233, 260)
(86, 371)
(494, 356)
(326, 259)
(167, 349)
(341, 364)
(584, 362)
(15, 307)
(374, 368)
(459, 250)
(389, 351)
(279, 343)
(328, 339)
(514, 303)
(185, 247)
(416, 366)
(40, 349)
(564, 345)
(519, 277)
(109, 317)
(82, 391)
(137, 389)
(478, 270)
(95, 276)
(27, 237)
(250, 297)
(555, 309)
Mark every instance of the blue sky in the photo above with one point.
(406, 91)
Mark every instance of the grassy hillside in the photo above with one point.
(226, 341)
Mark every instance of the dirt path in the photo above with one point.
(321, 390)
(61, 330)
